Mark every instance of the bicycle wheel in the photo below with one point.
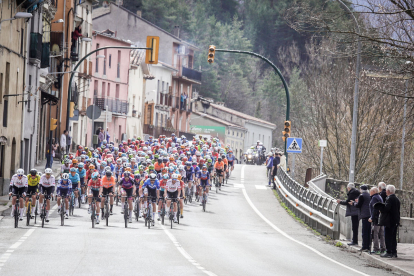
(204, 203)
(106, 212)
(43, 215)
(171, 219)
(149, 215)
(136, 209)
(62, 214)
(93, 214)
(162, 213)
(126, 214)
(28, 213)
(178, 212)
(16, 215)
(35, 216)
(116, 199)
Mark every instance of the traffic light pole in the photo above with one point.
(277, 72)
(79, 63)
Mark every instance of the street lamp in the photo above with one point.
(86, 39)
(100, 56)
(356, 95)
(17, 16)
(58, 21)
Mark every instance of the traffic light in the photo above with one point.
(151, 55)
(71, 109)
(286, 131)
(211, 53)
(53, 124)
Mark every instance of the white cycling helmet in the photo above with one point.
(65, 176)
(48, 171)
(20, 172)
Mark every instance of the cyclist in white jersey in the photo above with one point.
(47, 187)
(18, 186)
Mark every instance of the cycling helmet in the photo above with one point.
(20, 172)
(103, 163)
(153, 176)
(223, 156)
(170, 169)
(74, 161)
(219, 159)
(204, 167)
(108, 173)
(33, 172)
(47, 171)
(66, 161)
(194, 163)
(119, 161)
(72, 169)
(65, 176)
(188, 163)
(116, 149)
(95, 175)
(174, 176)
(91, 167)
(81, 165)
(127, 174)
(210, 161)
(137, 175)
(107, 168)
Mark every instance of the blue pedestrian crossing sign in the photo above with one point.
(294, 145)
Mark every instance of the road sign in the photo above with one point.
(75, 115)
(93, 110)
(323, 143)
(294, 145)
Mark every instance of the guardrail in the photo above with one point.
(321, 213)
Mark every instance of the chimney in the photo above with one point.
(176, 31)
(139, 13)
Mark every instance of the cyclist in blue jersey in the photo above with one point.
(204, 177)
(230, 159)
(82, 174)
(151, 187)
(189, 174)
(196, 171)
(75, 179)
(63, 190)
(127, 187)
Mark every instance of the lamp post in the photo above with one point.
(17, 16)
(356, 96)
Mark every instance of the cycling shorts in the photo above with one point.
(162, 193)
(107, 191)
(18, 191)
(231, 163)
(204, 183)
(63, 192)
(74, 186)
(95, 193)
(82, 181)
(219, 172)
(128, 192)
(172, 195)
(47, 190)
(32, 190)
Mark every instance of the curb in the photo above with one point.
(6, 207)
(376, 261)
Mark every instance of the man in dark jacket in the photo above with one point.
(382, 192)
(362, 203)
(352, 211)
(390, 218)
(377, 231)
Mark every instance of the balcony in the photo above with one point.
(156, 131)
(188, 74)
(114, 105)
(35, 53)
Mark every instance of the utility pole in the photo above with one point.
(403, 137)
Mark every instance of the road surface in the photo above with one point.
(244, 231)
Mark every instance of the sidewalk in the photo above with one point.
(5, 203)
(403, 265)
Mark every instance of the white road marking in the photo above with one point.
(288, 236)
(184, 253)
(15, 245)
(260, 187)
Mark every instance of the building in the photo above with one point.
(139, 74)
(164, 112)
(13, 87)
(109, 85)
(211, 126)
(255, 129)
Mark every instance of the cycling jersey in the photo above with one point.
(33, 181)
(63, 185)
(225, 162)
(89, 174)
(74, 178)
(158, 166)
(19, 183)
(47, 182)
(95, 185)
(64, 169)
(81, 173)
(204, 175)
(230, 158)
(108, 182)
(189, 173)
(127, 184)
(163, 183)
(219, 165)
(172, 187)
(152, 186)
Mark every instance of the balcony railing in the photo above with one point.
(114, 105)
(156, 131)
(191, 74)
(35, 46)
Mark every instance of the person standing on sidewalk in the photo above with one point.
(382, 192)
(63, 145)
(377, 231)
(352, 211)
(276, 162)
(269, 165)
(362, 203)
(101, 136)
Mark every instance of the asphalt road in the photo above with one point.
(244, 231)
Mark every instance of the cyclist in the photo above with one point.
(226, 164)
(127, 187)
(230, 159)
(83, 183)
(152, 185)
(75, 179)
(189, 174)
(18, 187)
(94, 190)
(204, 176)
(219, 168)
(63, 190)
(108, 184)
(163, 182)
(172, 187)
(47, 187)
(181, 195)
(65, 167)
(33, 184)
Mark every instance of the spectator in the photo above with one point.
(383, 193)
(63, 142)
(276, 162)
(182, 101)
(68, 143)
(282, 157)
(362, 203)
(50, 155)
(352, 211)
(390, 218)
(107, 136)
(101, 136)
(377, 231)
(269, 165)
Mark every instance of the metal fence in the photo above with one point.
(114, 105)
(320, 212)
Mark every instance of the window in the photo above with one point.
(117, 91)
(158, 91)
(110, 61)
(174, 88)
(1, 87)
(21, 41)
(233, 132)
(228, 131)
(108, 92)
(28, 96)
(104, 62)
(162, 120)
(97, 60)
(241, 134)
(156, 119)
(237, 134)
(95, 88)
(103, 89)
(118, 72)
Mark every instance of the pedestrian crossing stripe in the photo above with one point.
(294, 145)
